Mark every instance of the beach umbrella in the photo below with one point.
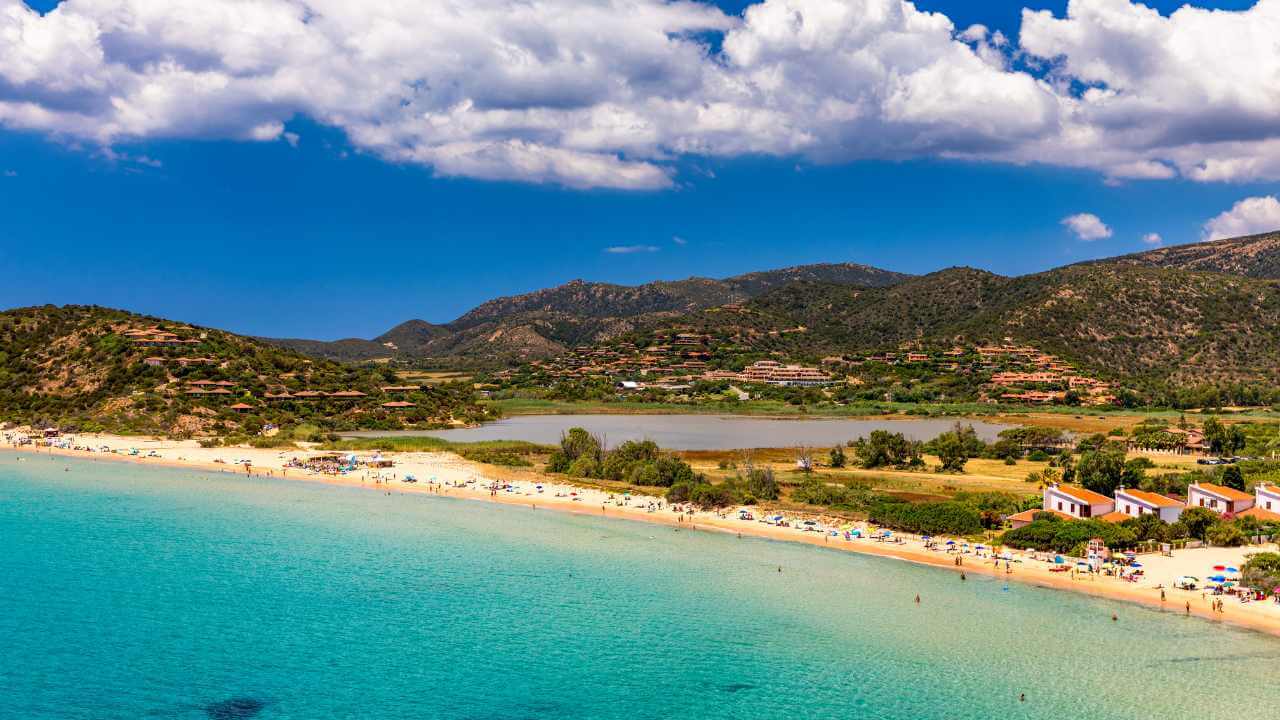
(924, 537)
(951, 542)
(1135, 564)
(1057, 559)
(1219, 568)
(1217, 578)
(1232, 570)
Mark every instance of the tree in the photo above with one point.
(575, 444)
(1135, 472)
(1225, 534)
(1198, 520)
(836, 458)
(1148, 526)
(881, 448)
(1093, 442)
(1233, 478)
(1223, 440)
(1213, 431)
(1261, 572)
(761, 484)
(1101, 470)
(951, 451)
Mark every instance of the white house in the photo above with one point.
(1267, 497)
(1267, 503)
(1133, 503)
(1222, 500)
(1076, 501)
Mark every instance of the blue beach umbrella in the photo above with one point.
(1232, 570)
(1135, 564)
(1217, 578)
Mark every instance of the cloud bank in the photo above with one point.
(610, 93)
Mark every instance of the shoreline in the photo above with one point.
(445, 474)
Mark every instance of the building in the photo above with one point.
(1132, 503)
(1222, 500)
(1025, 517)
(1076, 501)
(1267, 497)
(240, 408)
(398, 405)
(1266, 504)
(772, 372)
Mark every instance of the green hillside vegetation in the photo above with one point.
(1179, 338)
(79, 367)
(545, 323)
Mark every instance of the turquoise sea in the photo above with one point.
(130, 592)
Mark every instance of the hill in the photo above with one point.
(1158, 327)
(1256, 256)
(97, 368)
(546, 322)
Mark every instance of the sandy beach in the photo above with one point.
(448, 474)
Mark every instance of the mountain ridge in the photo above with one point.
(548, 321)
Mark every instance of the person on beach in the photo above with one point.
(917, 599)
(962, 577)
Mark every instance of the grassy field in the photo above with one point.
(433, 377)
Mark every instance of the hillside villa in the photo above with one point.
(1132, 503)
(1077, 502)
(1222, 500)
(1267, 497)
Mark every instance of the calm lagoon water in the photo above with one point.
(696, 432)
(131, 592)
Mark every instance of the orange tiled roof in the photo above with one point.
(1150, 498)
(1085, 496)
(1260, 513)
(1226, 492)
(1113, 517)
(1029, 515)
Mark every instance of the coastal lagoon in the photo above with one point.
(130, 592)
(695, 432)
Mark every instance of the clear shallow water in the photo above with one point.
(143, 593)
(696, 432)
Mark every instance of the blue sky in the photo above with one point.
(329, 239)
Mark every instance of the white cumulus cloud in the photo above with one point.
(610, 93)
(1152, 239)
(1087, 226)
(1249, 216)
